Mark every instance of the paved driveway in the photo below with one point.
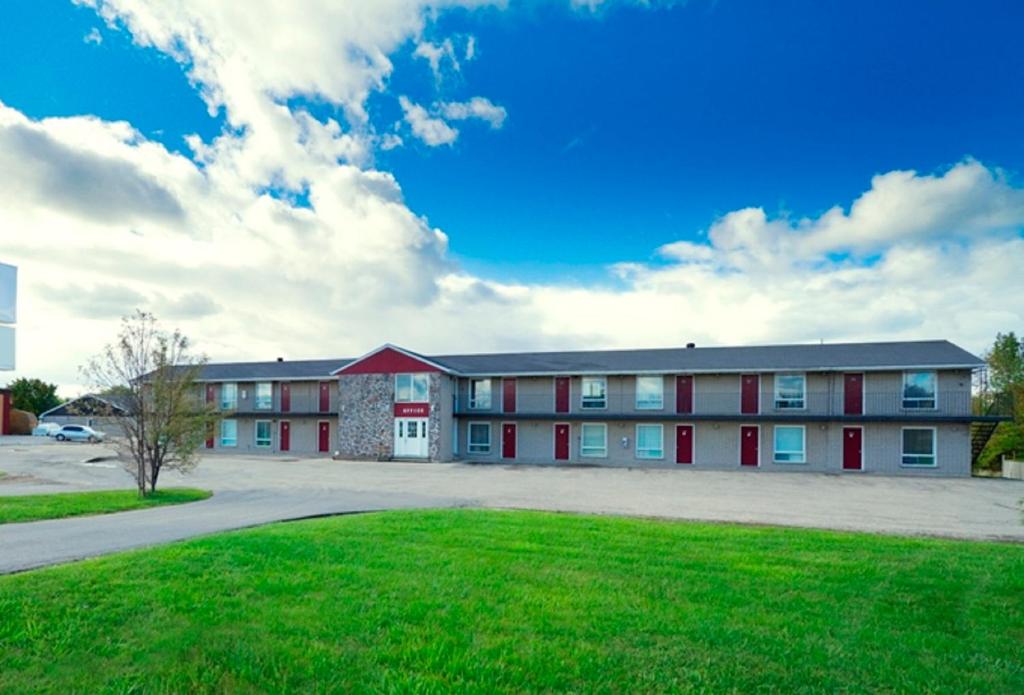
(253, 490)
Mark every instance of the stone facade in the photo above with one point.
(366, 420)
(366, 417)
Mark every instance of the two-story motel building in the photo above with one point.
(891, 408)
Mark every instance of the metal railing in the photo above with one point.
(726, 403)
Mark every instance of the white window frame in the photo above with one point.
(593, 453)
(469, 439)
(224, 441)
(934, 454)
(651, 405)
(917, 399)
(583, 393)
(803, 445)
(790, 403)
(650, 454)
(475, 402)
(413, 377)
(256, 395)
(256, 434)
(233, 403)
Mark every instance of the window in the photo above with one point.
(479, 394)
(649, 442)
(263, 433)
(412, 388)
(593, 439)
(790, 444)
(264, 396)
(228, 396)
(919, 446)
(790, 391)
(918, 389)
(479, 438)
(595, 392)
(650, 392)
(228, 433)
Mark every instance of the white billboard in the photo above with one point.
(6, 347)
(8, 293)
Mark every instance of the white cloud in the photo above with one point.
(249, 276)
(477, 107)
(431, 130)
(94, 37)
(436, 55)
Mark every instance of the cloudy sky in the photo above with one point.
(312, 178)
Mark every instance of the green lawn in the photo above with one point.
(36, 507)
(486, 601)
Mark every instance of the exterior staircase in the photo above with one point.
(981, 432)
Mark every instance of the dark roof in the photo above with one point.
(931, 353)
(812, 357)
(286, 369)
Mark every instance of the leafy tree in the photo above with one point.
(34, 395)
(1006, 379)
(164, 422)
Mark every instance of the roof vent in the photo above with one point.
(690, 346)
(280, 359)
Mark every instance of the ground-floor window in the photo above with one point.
(229, 433)
(263, 433)
(918, 446)
(593, 439)
(479, 438)
(790, 444)
(649, 442)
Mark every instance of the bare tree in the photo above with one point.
(160, 414)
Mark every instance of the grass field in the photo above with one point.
(486, 601)
(36, 507)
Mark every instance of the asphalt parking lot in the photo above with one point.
(258, 489)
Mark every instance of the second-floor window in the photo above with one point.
(650, 392)
(595, 392)
(480, 394)
(790, 391)
(228, 396)
(264, 396)
(412, 388)
(918, 390)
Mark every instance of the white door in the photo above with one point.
(411, 437)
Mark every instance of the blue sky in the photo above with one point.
(627, 129)
(641, 174)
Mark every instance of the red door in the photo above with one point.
(684, 443)
(211, 397)
(286, 397)
(561, 394)
(750, 385)
(853, 452)
(508, 395)
(325, 396)
(853, 394)
(561, 441)
(325, 437)
(508, 440)
(684, 394)
(749, 436)
(286, 435)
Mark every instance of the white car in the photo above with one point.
(46, 429)
(79, 433)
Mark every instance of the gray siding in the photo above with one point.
(717, 446)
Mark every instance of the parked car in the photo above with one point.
(46, 429)
(79, 433)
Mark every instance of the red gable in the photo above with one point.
(388, 360)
